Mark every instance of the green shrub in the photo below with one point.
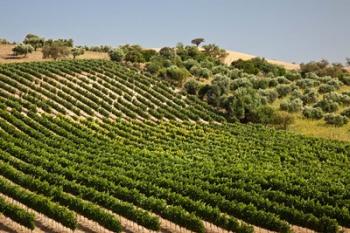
(339, 98)
(270, 95)
(153, 67)
(190, 63)
(335, 83)
(282, 120)
(327, 105)
(294, 105)
(309, 97)
(175, 74)
(283, 89)
(313, 113)
(243, 105)
(292, 75)
(260, 83)
(116, 55)
(192, 87)
(258, 65)
(223, 82)
(241, 83)
(283, 80)
(335, 119)
(273, 82)
(307, 83)
(346, 112)
(345, 80)
(296, 94)
(325, 88)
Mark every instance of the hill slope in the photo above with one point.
(93, 144)
(96, 88)
(6, 55)
(233, 56)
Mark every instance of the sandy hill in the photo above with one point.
(232, 56)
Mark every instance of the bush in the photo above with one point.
(345, 80)
(190, 63)
(283, 80)
(260, 83)
(263, 115)
(292, 75)
(337, 120)
(346, 93)
(327, 105)
(116, 55)
(339, 98)
(241, 83)
(307, 83)
(283, 89)
(346, 112)
(205, 73)
(273, 82)
(270, 95)
(258, 65)
(57, 48)
(222, 82)
(335, 83)
(294, 105)
(192, 87)
(325, 79)
(322, 68)
(283, 120)
(22, 49)
(309, 97)
(200, 72)
(153, 67)
(313, 113)
(296, 94)
(324, 88)
(243, 105)
(174, 73)
(345, 99)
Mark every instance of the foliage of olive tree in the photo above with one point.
(116, 55)
(56, 49)
(22, 49)
(34, 40)
(77, 52)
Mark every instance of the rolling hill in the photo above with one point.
(6, 51)
(94, 146)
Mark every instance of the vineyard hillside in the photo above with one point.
(97, 146)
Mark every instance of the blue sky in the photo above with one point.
(290, 30)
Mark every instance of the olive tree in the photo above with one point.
(56, 49)
(34, 40)
(116, 55)
(77, 52)
(22, 49)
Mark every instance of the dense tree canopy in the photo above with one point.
(34, 40)
(22, 49)
(57, 48)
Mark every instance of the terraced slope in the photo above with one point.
(92, 146)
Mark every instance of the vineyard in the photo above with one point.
(94, 146)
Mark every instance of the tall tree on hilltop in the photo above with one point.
(197, 41)
(34, 40)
